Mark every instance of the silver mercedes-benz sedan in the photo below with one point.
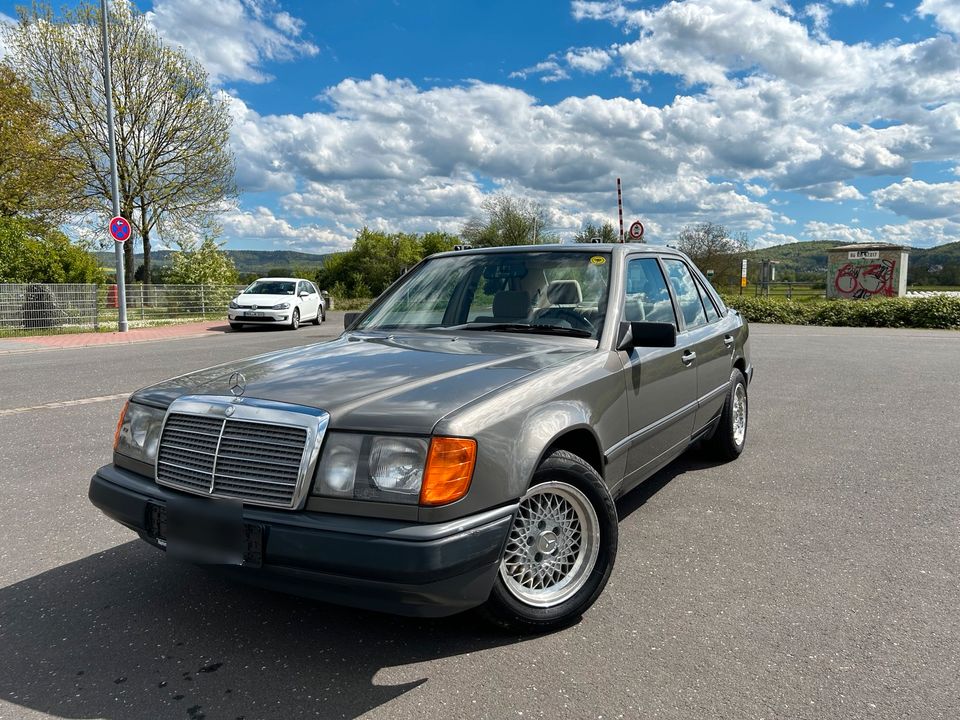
(460, 445)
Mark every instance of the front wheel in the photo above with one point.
(295, 319)
(730, 437)
(560, 550)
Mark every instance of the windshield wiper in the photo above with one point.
(521, 328)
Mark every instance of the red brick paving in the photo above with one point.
(76, 340)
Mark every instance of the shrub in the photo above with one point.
(938, 312)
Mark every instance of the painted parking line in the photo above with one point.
(64, 403)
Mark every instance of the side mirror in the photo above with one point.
(646, 334)
(349, 318)
(304, 294)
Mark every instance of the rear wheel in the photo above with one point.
(295, 319)
(560, 550)
(730, 437)
(319, 318)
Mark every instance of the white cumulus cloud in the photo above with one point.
(946, 14)
(920, 200)
(232, 38)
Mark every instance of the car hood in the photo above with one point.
(389, 383)
(262, 300)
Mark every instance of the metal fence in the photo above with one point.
(784, 289)
(35, 308)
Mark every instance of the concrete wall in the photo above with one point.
(867, 273)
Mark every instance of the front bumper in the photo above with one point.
(399, 567)
(263, 317)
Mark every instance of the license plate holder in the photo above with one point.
(255, 314)
(207, 531)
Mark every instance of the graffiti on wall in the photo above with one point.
(858, 281)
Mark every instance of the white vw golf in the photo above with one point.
(277, 301)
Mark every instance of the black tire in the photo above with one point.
(236, 326)
(727, 443)
(323, 314)
(505, 608)
(295, 319)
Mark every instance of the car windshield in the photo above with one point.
(271, 287)
(559, 293)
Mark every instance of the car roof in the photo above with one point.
(623, 248)
(281, 279)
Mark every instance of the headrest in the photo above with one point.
(564, 292)
(511, 304)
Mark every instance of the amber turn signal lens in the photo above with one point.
(449, 470)
(116, 433)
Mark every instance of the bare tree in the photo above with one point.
(711, 247)
(507, 220)
(173, 162)
(605, 232)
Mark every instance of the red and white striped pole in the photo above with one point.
(620, 208)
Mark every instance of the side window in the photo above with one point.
(647, 298)
(688, 297)
(312, 289)
(300, 287)
(712, 313)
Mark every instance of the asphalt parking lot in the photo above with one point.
(816, 577)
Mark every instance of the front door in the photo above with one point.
(661, 383)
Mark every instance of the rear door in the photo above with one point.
(661, 383)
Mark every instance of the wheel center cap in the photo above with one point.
(547, 542)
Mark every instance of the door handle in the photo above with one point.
(688, 357)
(728, 340)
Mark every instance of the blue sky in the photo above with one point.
(835, 120)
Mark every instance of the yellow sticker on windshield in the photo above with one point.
(598, 260)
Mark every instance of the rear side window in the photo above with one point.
(647, 298)
(688, 297)
(712, 313)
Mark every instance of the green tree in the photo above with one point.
(203, 263)
(173, 163)
(39, 178)
(605, 232)
(437, 242)
(28, 254)
(507, 220)
(376, 260)
(711, 247)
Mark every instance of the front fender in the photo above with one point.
(516, 426)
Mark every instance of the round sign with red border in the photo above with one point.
(636, 230)
(120, 229)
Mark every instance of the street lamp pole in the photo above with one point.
(114, 182)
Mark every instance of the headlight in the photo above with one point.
(233, 305)
(395, 469)
(280, 306)
(138, 432)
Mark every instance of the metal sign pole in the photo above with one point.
(620, 208)
(114, 182)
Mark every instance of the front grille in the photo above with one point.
(258, 463)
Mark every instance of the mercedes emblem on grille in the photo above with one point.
(238, 384)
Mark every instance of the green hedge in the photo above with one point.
(939, 312)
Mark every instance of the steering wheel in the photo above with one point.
(575, 319)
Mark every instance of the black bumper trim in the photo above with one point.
(385, 565)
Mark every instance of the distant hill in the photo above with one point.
(808, 260)
(259, 262)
